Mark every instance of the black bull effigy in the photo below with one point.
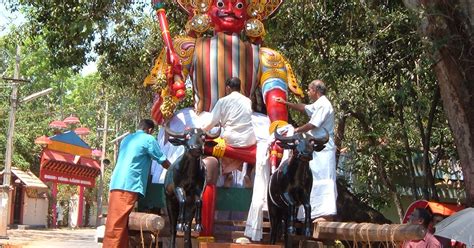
(184, 183)
(290, 185)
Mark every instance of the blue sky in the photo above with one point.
(9, 19)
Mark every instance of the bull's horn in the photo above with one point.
(281, 137)
(214, 135)
(323, 140)
(172, 133)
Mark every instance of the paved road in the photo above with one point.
(50, 238)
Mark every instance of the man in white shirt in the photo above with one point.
(234, 112)
(323, 165)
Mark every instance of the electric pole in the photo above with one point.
(5, 188)
(101, 177)
(5, 196)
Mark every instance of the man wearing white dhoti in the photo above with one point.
(234, 112)
(323, 165)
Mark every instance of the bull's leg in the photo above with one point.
(187, 235)
(286, 234)
(173, 217)
(198, 227)
(275, 218)
(275, 221)
(291, 213)
(307, 217)
(181, 195)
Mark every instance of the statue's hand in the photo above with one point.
(178, 87)
(175, 77)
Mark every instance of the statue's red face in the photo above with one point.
(228, 15)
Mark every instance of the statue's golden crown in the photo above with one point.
(264, 8)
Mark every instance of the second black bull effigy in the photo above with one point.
(290, 185)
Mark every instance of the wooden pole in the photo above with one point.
(145, 222)
(367, 232)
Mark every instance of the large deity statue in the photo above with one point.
(224, 39)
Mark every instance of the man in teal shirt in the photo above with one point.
(129, 180)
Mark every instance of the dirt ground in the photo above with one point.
(54, 238)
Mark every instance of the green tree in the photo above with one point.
(448, 28)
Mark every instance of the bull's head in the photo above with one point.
(193, 139)
(302, 144)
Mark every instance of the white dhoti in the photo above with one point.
(253, 226)
(324, 192)
(254, 223)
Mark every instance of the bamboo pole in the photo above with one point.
(367, 232)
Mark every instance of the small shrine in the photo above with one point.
(29, 204)
(66, 158)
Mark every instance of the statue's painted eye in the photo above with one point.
(220, 3)
(239, 5)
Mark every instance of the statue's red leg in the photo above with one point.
(209, 198)
(208, 210)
